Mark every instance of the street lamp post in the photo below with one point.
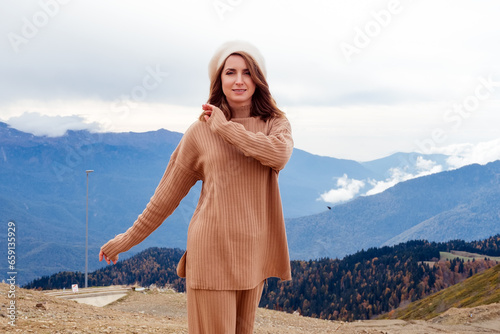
(87, 231)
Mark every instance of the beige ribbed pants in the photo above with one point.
(222, 311)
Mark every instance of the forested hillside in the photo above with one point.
(368, 283)
(151, 266)
(361, 285)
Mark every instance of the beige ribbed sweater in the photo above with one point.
(236, 237)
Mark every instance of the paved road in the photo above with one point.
(97, 296)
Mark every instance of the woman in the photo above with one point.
(236, 237)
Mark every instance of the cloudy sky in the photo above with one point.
(358, 79)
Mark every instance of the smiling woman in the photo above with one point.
(237, 82)
(236, 237)
(236, 70)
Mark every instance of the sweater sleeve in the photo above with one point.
(180, 175)
(272, 150)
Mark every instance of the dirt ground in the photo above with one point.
(163, 311)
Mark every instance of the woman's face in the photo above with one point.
(237, 85)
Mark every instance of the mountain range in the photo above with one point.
(459, 204)
(43, 190)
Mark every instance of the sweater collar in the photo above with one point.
(243, 110)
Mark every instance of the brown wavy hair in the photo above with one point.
(263, 104)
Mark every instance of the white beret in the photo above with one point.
(227, 49)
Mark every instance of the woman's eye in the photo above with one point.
(229, 72)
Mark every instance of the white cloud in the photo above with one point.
(101, 116)
(397, 175)
(459, 155)
(51, 126)
(346, 190)
(427, 167)
(466, 154)
(424, 167)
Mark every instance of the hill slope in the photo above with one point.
(480, 289)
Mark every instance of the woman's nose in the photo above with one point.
(239, 79)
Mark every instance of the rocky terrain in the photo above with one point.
(164, 311)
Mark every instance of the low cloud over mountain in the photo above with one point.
(51, 126)
(457, 156)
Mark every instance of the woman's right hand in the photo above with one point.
(207, 108)
(106, 258)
